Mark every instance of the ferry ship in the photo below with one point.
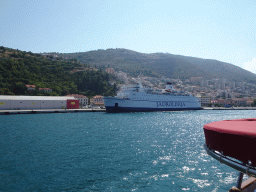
(133, 98)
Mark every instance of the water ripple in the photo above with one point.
(160, 151)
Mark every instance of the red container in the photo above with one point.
(72, 104)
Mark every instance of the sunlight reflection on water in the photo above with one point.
(160, 151)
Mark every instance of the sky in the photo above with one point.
(209, 29)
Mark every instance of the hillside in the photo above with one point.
(18, 68)
(83, 72)
(161, 64)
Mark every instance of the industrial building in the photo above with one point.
(83, 100)
(8, 102)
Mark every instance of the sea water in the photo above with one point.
(158, 151)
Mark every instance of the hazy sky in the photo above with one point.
(212, 29)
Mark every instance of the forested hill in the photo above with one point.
(83, 72)
(162, 64)
(18, 68)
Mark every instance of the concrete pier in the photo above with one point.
(229, 108)
(36, 111)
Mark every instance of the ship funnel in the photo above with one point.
(169, 87)
(140, 85)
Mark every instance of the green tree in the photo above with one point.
(19, 88)
(254, 103)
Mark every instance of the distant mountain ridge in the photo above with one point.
(162, 64)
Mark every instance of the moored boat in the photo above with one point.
(134, 98)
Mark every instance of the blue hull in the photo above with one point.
(131, 109)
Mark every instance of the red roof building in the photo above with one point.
(31, 87)
(110, 70)
(97, 101)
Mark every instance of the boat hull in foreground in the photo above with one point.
(233, 138)
(232, 142)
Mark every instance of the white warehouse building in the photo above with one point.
(8, 102)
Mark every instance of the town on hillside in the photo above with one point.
(210, 92)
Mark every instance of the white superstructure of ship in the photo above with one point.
(134, 98)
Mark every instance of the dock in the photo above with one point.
(229, 108)
(37, 111)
